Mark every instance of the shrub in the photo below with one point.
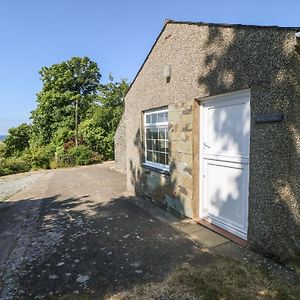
(72, 143)
(13, 165)
(93, 134)
(75, 156)
(108, 143)
(2, 149)
(96, 157)
(62, 135)
(99, 135)
(82, 155)
(39, 158)
(54, 164)
(65, 160)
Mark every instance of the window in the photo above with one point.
(156, 139)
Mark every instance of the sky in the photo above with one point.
(116, 34)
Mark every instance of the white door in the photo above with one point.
(224, 158)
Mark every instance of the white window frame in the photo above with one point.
(155, 125)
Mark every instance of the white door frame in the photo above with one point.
(243, 159)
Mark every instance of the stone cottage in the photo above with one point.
(211, 130)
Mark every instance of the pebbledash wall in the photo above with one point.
(120, 144)
(213, 59)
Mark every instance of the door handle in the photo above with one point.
(205, 145)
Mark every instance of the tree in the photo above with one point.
(103, 118)
(71, 88)
(17, 140)
(65, 86)
(113, 93)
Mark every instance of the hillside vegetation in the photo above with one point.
(73, 124)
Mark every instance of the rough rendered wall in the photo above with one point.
(120, 144)
(209, 60)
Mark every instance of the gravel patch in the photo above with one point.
(12, 184)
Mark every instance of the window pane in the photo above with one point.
(167, 147)
(162, 134)
(155, 133)
(154, 157)
(149, 145)
(161, 117)
(161, 158)
(165, 116)
(167, 159)
(155, 145)
(161, 146)
(149, 155)
(167, 133)
(148, 133)
(154, 118)
(148, 119)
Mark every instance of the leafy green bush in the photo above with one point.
(75, 156)
(82, 155)
(97, 158)
(2, 149)
(98, 131)
(62, 135)
(39, 158)
(93, 134)
(108, 144)
(65, 160)
(13, 165)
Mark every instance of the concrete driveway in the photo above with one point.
(72, 231)
(74, 234)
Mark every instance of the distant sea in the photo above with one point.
(2, 137)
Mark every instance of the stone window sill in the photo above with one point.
(164, 172)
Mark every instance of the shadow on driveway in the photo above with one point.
(86, 239)
(113, 247)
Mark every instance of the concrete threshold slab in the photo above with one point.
(196, 232)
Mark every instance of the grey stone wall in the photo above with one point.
(120, 144)
(209, 60)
